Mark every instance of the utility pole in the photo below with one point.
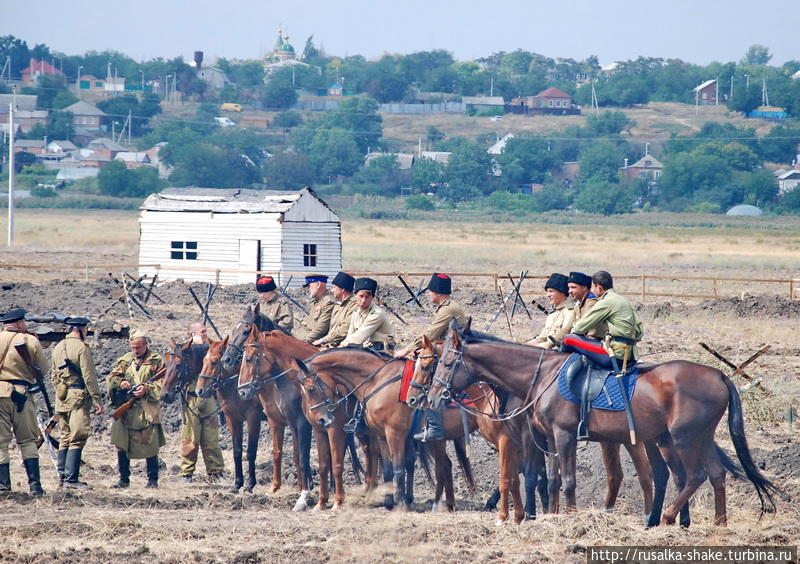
(716, 92)
(11, 173)
(129, 127)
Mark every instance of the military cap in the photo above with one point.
(344, 281)
(77, 321)
(365, 284)
(580, 278)
(311, 278)
(13, 315)
(138, 334)
(265, 284)
(603, 278)
(440, 283)
(557, 282)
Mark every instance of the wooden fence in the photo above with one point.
(644, 286)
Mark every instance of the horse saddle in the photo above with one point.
(585, 379)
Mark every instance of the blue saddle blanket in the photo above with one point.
(610, 398)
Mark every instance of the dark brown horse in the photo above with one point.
(282, 403)
(515, 431)
(375, 380)
(677, 402)
(278, 354)
(214, 380)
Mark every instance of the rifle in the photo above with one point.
(122, 409)
(291, 299)
(44, 427)
(540, 307)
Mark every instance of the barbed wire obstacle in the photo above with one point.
(205, 317)
(127, 298)
(739, 370)
(137, 288)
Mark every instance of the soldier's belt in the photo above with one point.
(624, 340)
(77, 387)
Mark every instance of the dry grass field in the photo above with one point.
(202, 522)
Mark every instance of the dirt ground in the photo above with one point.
(202, 522)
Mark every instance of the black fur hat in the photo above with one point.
(557, 282)
(265, 284)
(365, 284)
(344, 281)
(440, 283)
(580, 278)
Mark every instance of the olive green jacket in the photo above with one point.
(318, 321)
(368, 327)
(445, 312)
(340, 322)
(13, 366)
(618, 314)
(76, 350)
(581, 309)
(279, 311)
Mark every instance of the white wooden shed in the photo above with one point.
(227, 235)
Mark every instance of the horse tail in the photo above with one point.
(350, 444)
(425, 459)
(466, 466)
(764, 487)
(729, 464)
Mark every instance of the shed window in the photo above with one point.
(309, 255)
(183, 250)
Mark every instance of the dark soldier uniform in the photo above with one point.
(277, 309)
(17, 409)
(76, 388)
(138, 433)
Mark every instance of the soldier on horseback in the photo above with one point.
(319, 315)
(439, 289)
(624, 327)
(345, 305)
(370, 327)
(273, 305)
(560, 320)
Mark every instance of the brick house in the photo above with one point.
(30, 74)
(549, 101)
(646, 167)
(87, 117)
(706, 93)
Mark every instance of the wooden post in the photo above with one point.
(216, 278)
(715, 288)
(791, 288)
(644, 288)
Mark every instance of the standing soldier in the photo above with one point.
(370, 327)
(559, 322)
(75, 382)
(439, 289)
(17, 410)
(274, 306)
(345, 305)
(319, 315)
(580, 290)
(200, 426)
(138, 433)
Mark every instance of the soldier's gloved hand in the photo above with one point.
(99, 409)
(19, 400)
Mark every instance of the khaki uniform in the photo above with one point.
(75, 393)
(370, 327)
(319, 318)
(16, 375)
(340, 322)
(618, 314)
(138, 432)
(581, 309)
(279, 312)
(200, 431)
(445, 312)
(558, 324)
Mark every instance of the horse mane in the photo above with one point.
(355, 348)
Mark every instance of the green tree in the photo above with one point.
(601, 161)
(334, 152)
(756, 55)
(383, 172)
(609, 123)
(359, 116)
(289, 118)
(288, 170)
(607, 198)
(467, 172)
(526, 160)
(64, 99)
(279, 92)
(426, 174)
(114, 179)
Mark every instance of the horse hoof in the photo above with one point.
(318, 508)
(336, 507)
(499, 523)
(274, 489)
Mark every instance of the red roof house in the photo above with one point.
(32, 72)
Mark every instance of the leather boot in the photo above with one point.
(5, 478)
(72, 470)
(152, 472)
(434, 428)
(62, 462)
(34, 480)
(124, 464)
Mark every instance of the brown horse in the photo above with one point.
(520, 434)
(278, 353)
(375, 380)
(212, 379)
(511, 438)
(677, 402)
(282, 403)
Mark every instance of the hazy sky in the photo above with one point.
(692, 30)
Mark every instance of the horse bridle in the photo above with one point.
(422, 387)
(257, 383)
(181, 367)
(332, 405)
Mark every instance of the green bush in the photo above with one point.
(420, 202)
(705, 207)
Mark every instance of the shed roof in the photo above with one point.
(82, 108)
(105, 143)
(706, 84)
(226, 200)
(22, 101)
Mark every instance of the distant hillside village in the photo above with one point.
(103, 124)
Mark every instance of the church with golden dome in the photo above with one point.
(283, 55)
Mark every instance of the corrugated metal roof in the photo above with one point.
(222, 200)
(22, 101)
(82, 108)
(483, 100)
